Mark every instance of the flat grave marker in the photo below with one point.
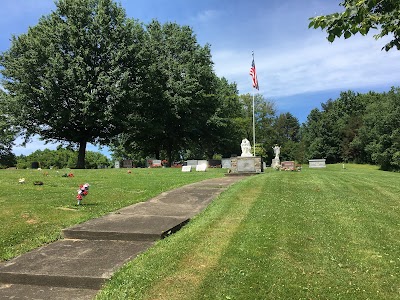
(186, 168)
(317, 163)
(201, 168)
(288, 165)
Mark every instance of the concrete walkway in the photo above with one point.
(77, 266)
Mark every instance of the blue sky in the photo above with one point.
(297, 67)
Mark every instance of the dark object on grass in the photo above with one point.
(38, 182)
(68, 175)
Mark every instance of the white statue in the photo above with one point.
(246, 148)
(277, 151)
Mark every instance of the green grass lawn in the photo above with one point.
(32, 215)
(316, 234)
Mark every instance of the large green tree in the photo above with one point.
(74, 76)
(7, 133)
(330, 133)
(177, 94)
(359, 16)
(220, 133)
(361, 128)
(379, 135)
(287, 135)
(286, 128)
(321, 133)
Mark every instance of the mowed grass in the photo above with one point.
(32, 215)
(316, 234)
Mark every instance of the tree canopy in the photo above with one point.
(72, 77)
(178, 95)
(7, 133)
(86, 73)
(361, 128)
(359, 16)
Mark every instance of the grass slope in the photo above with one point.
(317, 234)
(33, 215)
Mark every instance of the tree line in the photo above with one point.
(361, 128)
(60, 159)
(356, 128)
(86, 73)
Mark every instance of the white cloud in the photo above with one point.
(312, 65)
(206, 16)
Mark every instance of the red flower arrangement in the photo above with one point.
(83, 191)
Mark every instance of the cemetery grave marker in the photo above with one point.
(186, 168)
(317, 163)
(288, 165)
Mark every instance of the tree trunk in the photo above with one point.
(81, 155)
(169, 154)
(209, 154)
(157, 153)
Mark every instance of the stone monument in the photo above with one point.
(246, 148)
(276, 161)
(246, 163)
(317, 163)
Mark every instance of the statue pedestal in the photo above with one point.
(246, 165)
(275, 162)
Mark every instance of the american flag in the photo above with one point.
(253, 75)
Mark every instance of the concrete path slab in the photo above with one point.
(194, 196)
(71, 263)
(25, 292)
(157, 208)
(126, 227)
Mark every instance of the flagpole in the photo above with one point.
(254, 126)
(254, 130)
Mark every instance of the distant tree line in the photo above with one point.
(60, 159)
(357, 128)
(360, 128)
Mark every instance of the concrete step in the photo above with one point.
(126, 227)
(25, 291)
(82, 264)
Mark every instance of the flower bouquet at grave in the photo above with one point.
(82, 192)
(68, 175)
